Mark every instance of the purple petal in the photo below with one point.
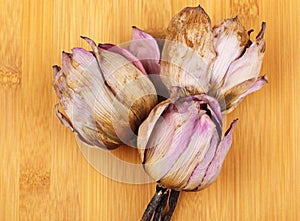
(230, 39)
(163, 149)
(145, 48)
(260, 82)
(76, 93)
(92, 44)
(88, 75)
(191, 153)
(147, 126)
(82, 56)
(122, 51)
(214, 107)
(248, 66)
(236, 98)
(199, 172)
(215, 166)
(85, 86)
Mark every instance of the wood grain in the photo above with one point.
(43, 174)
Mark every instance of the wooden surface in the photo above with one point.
(43, 174)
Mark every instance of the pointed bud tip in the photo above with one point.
(91, 43)
(66, 57)
(262, 31)
(193, 8)
(199, 7)
(55, 70)
(137, 33)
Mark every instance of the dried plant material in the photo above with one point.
(105, 94)
(185, 156)
(215, 60)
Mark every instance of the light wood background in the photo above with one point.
(43, 174)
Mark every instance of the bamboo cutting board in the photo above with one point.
(43, 174)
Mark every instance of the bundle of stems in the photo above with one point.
(157, 205)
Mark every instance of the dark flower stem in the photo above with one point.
(155, 201)
(161, 207)
(172, 204)
(158, 204)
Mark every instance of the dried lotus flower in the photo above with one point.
(181, 148)
(180, 142)
(105, 94)
(220, 61)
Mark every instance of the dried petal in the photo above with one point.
(197, 176)
(215, 166)
(196, 147)
(148, 125)
(81, 77)
(164, 149)
(235, 95)
(188, 51)
(230, 40)
(100, 101)
(122, 51)
(214, 107)
(104, 96)
(248, 66)
(145, 48)
(133, 89)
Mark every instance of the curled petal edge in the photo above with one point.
(259, 83)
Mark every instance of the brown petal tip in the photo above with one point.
(190, 8)
(66, 54)
(55, 70)
(232, 125)
(262, 32)
(236, 18)
(265, 78)
(198, 7)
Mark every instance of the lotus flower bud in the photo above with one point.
(220, 61)
(180, 142)
(104, 95)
